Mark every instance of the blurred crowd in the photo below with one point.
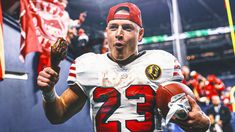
(80, 42)
(215, 98)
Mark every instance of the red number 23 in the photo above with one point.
(111, 98)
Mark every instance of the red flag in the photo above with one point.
(43, 21)
(29, 41)
(2, 58)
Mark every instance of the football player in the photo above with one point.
(121, 84)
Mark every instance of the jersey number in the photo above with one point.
(111, 98)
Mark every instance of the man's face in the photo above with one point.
(123, 37)
(215, 100)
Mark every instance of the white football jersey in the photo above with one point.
(122, 98)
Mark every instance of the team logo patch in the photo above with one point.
(153, 72)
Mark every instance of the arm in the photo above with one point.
(58, 109)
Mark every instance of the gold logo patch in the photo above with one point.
(153, 72)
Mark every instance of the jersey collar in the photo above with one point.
(128, 60)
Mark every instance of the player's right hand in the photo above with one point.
(197, 120)
(47, 78)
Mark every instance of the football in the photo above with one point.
(170, 93)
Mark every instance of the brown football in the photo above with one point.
(168, 89)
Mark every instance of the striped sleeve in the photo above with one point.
(79, 71)
(177, 72)
(72, 74)
(74, 71)
(74, 77)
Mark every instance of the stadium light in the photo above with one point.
(186, 35)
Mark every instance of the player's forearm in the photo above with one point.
(55, 111)
(59, 109)
(53, 106)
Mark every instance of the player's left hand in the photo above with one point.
(197, 119)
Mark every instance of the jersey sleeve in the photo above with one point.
(175, 66)
(78, 71)
(177, 74)
(74, 72)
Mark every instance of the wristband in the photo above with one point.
(49, 96)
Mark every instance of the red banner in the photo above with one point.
(2, 58)
(42, 22)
